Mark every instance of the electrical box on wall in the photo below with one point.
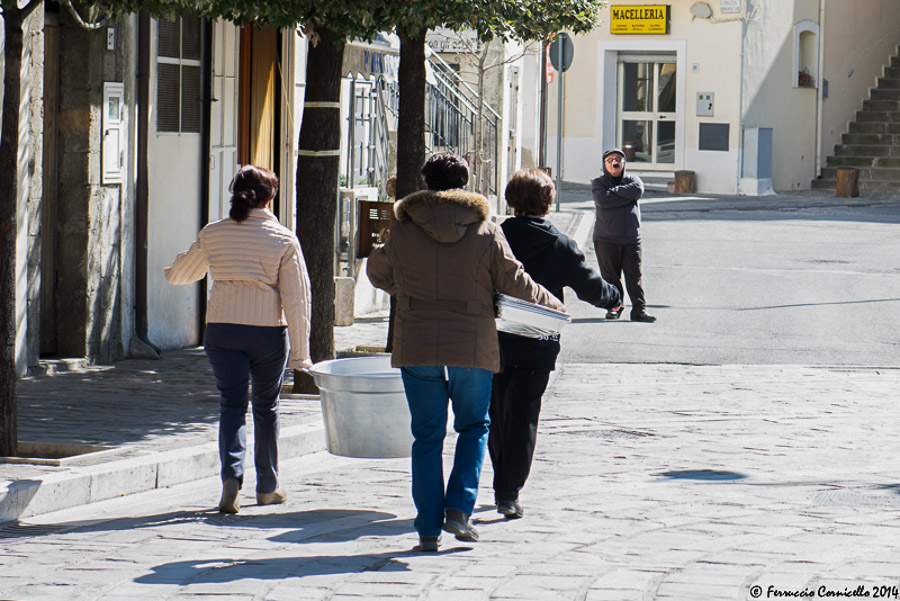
(705, 102)
(113, 132)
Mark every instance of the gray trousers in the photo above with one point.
(618, 259)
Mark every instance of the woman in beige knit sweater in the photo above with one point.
(259, 298)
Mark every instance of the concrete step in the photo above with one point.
(881, 105)
(874, 127)
(863, 162)
(895, 61)
(862, 150)
(884, 94)
(849, 161)
(824, 184)
(888, 83)
(878, 116)
(875, 173)
(873, 185)
(870, 139)
(892, 72)
(864, 185)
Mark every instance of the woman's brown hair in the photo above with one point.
(530, 192)
(251, 188)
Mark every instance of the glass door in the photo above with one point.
(646, 111)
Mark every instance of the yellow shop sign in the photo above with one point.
(647, 19)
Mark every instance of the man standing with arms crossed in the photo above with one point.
(617, 232)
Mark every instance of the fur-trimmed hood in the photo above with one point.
(444, 215)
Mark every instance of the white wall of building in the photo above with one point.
(174, 176)
(859, 36)
(530, 111)
(749, 61)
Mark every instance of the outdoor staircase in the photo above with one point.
(872, 145)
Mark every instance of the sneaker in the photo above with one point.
(457, 524)
(271, 498)
(229, 502)
(615, 313)
(511, 510)
(643, 317)
(429, 544)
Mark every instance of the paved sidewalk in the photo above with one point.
(706, 483)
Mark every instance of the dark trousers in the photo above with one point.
(515, 409)
(616, 259)
(241, 354)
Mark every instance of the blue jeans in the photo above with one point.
(238, 354)
(428, 390)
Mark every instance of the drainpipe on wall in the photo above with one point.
(542, 128)
(740, 131)
(820, 85)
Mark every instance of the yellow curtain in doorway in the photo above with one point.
(262, 101)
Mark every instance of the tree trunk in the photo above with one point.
(410, 128)
(13, 20)
(318, 165)
(411, 113)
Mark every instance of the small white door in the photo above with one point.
(223, 163)
(647, 97)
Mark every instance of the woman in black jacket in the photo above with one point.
(553, 260)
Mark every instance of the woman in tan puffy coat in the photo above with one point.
(260, 298)
(443, 262)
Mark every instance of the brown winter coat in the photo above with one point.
(443, 262)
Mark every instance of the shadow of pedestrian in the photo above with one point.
(335, 525)
(221, 570)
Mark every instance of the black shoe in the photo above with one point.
(511, 510)
(457, 524)
(643, 317)
(614, 314)
(429, 544)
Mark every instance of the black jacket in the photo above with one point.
(616, 203)
(554, 261)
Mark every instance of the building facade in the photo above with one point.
(750, 95)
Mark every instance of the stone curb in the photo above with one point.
(78, 485)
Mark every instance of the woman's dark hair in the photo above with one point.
(445, 171)
(530, 192)
(251, 188)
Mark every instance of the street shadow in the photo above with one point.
(139, 399)
(836, 303)
(592, 320)
(703, 475)
(223, 570)
(333, 525)
(330, 525)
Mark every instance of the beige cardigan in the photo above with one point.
(259, 277)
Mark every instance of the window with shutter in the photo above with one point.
(179, 75)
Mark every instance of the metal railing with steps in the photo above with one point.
(872, 143)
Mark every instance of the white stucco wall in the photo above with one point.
(748, 61)
(530, 111)
(708, 60)
(859, 37)
(770, 98)
(174, 176)
(173, 312)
